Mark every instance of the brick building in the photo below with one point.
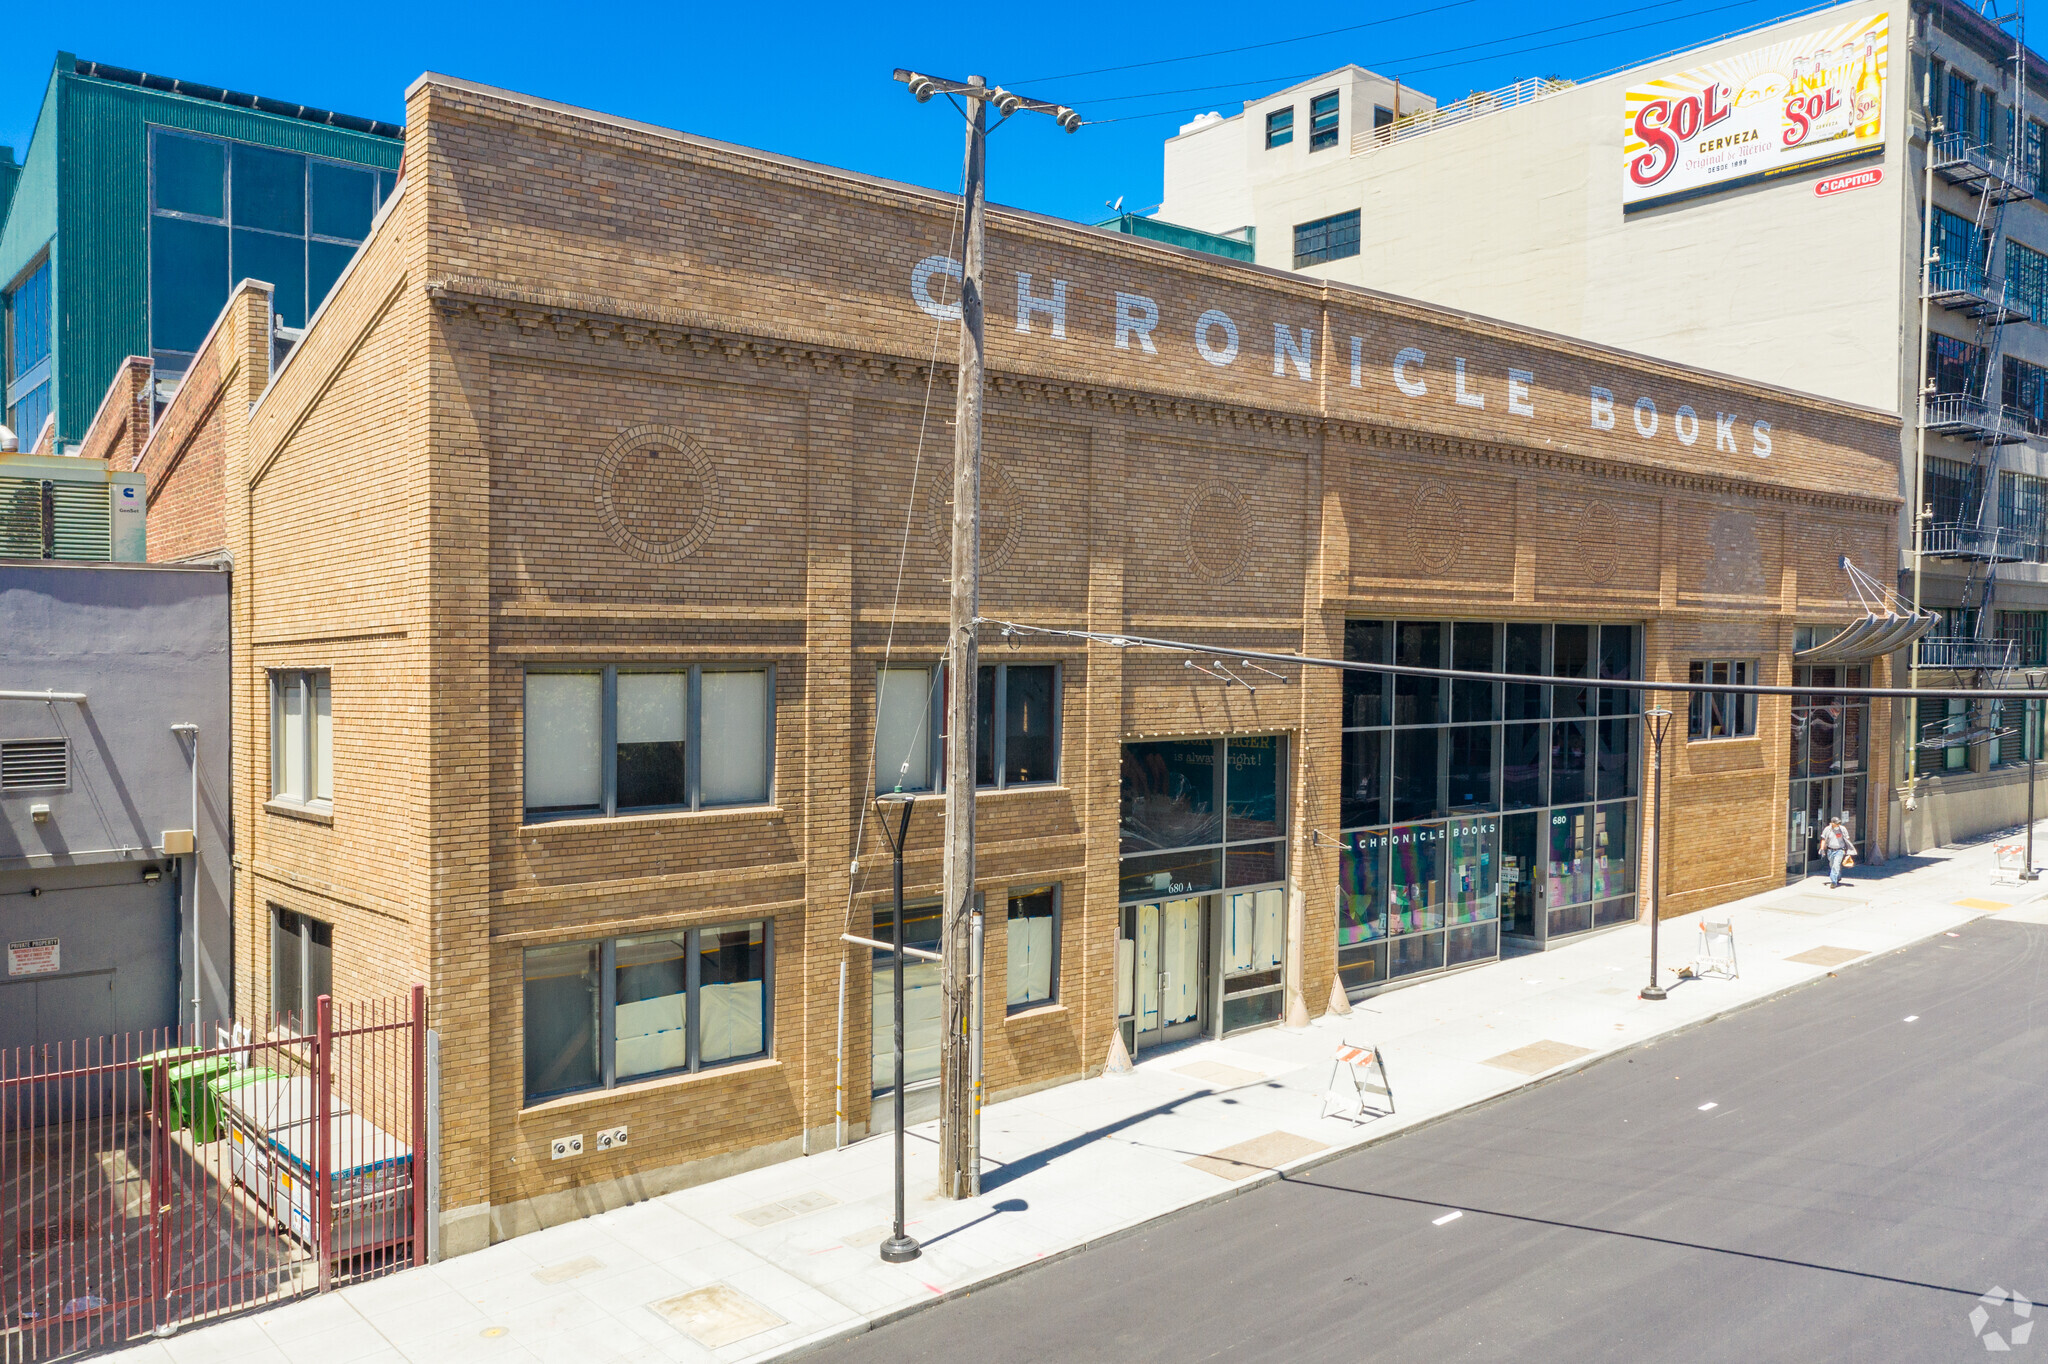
(589, 557)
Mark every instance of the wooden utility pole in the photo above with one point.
(960, 969)
(959, 1166)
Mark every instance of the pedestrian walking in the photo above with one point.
(1839, 847)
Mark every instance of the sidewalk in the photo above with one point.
(782, 1259)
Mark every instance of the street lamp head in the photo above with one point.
(892, 798)
(1657, 713)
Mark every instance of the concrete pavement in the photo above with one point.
(782, 1260)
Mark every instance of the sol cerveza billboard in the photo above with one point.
(1800, 102)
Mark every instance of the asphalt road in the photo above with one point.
(1858, 1183)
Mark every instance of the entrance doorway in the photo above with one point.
(1828, 764)
(1162, 971)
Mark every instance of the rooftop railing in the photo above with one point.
(1478, 104)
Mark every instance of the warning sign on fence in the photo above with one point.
(33, 957)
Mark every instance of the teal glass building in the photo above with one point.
(142, 200)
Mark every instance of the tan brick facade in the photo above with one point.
(120, 428)
(427, 501)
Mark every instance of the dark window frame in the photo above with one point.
(1732, 713)
(607, 1011)
(935, 700)
(1279, 127)
(1326, 239)
(303, 929)
(1325, 120)
(608, 806)
(1013, 894)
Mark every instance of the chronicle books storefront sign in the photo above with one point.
(1414, 374)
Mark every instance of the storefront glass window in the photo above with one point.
(1200, 814)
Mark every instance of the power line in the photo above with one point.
(1254, 47)
(1412, 57)
(1446, 66)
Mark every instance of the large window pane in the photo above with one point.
(903, 740)
(1823, 723)
(1525, 701)
(734, 737)
(564, 727)
(1570, 872)
(1474, 648)
(324, 263)
(269, 189)
(1254, 931)
(1251, 783)
(732, 992)
(650, 1017)
(1188, 872)
(190, 175)
(923, 995)
(1365, 694)
(1567, 761)
(1415, 884)
(1028, 705)
(1521, 866)
(1417, 793)
(28, 311)
(1614, 866)
(1571, 656)
(1521, 765)
(319, 960)
(287, 984)
(1253, 864)
(1617, 768)
(1418, 700)
(188, 281)
(1471, 766)
(288, 736)
(279, 262)
(1362, 797)
(343, 199)
(1472, 891)
(1362, 889)
(651, 739)
(561, 1019)
(1168, 797)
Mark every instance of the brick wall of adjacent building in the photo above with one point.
(429, 500)
(120, 428)
(184, 458)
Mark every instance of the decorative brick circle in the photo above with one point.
(1598, 541)
(657, 493)
(1213, 525)
(1002, 520)
(1433, 526)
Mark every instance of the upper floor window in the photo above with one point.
(1382, 116)
(1722, 715)
(614, 740)
(1962, 99)
(1326, 239)
(1322, 121)
(2026, 276)
(1021, 750)
(227, 211)
(1955, 366)
(1280, 127)
(301, 737)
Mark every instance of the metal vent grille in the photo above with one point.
(34, 764)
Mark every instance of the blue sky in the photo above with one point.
(812, 80)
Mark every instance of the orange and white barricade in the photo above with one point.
(1351, 1082)
(1716, 955)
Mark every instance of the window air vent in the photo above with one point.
(34, 764)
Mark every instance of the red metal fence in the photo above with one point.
(149, 1180)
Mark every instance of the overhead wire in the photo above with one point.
(1250, 47)
(1443, 66)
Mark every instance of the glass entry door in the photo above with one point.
(1161, 978)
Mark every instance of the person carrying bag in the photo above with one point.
(1839, 848)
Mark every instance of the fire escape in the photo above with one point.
(1966, 278)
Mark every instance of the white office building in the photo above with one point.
(1753, 206)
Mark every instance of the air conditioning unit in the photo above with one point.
(63, 507)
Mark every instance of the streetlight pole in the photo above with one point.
(1660, 722)
(899, 1247)
(2031, 738)
(959, 1106)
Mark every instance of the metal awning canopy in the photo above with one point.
(1888, 624)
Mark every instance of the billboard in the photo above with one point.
(1801, 102)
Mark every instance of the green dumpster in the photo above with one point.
(147, 1068)
(194, 1098)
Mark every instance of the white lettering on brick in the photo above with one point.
(1724, 432)
(1136, 315)
(1411, 385)
(921, 286)
(1518, 393)
(1646, 428)
(1205, 324)
(1685, 424)
(1285, 348)
(1054, 307)
(1603, 408)
(1760, 440)
(1466, 398)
